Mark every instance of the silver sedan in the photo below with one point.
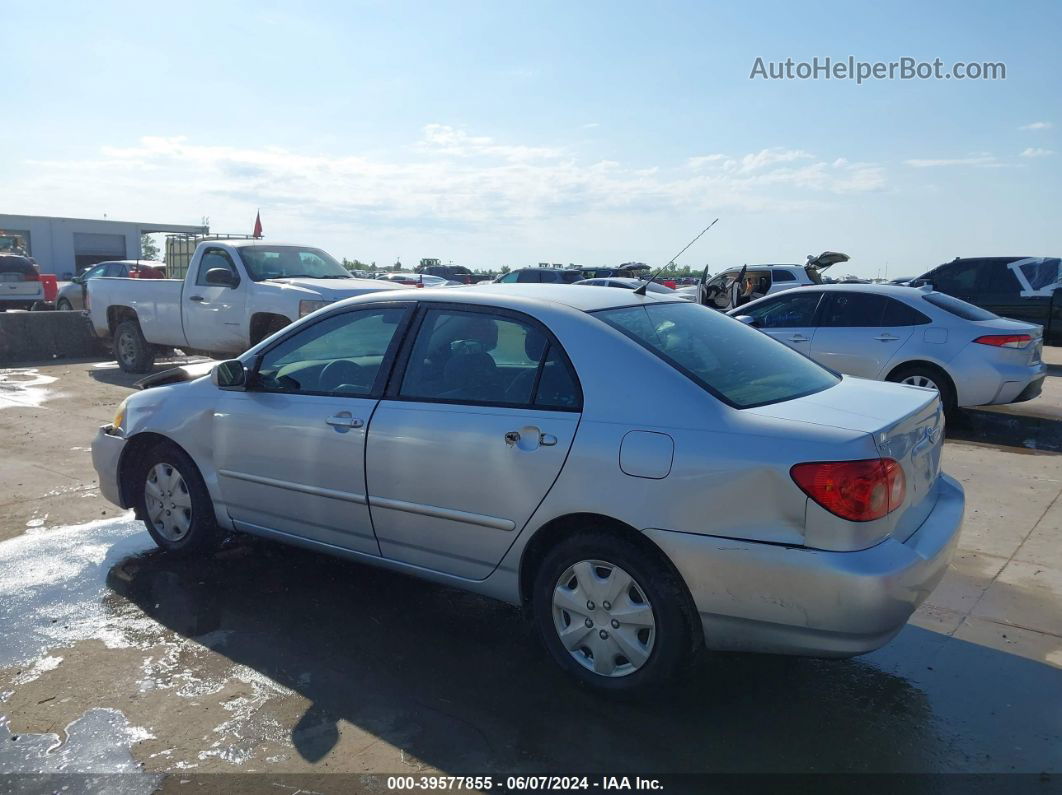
(647, 476)
(908, 335)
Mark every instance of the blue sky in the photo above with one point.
(493, 133)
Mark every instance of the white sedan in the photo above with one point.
(908, 335)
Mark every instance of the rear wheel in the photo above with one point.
(64, 305)
(174, 503)
(134, 353)
(928, 378)
(612, 616)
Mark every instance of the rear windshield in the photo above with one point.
(11, 263)
(958, 307)
(741, 366)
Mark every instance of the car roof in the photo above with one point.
(525, 296)
(895, 290)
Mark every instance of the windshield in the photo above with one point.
(286, 262)
(741, 366)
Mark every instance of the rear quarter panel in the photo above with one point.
(156, 302)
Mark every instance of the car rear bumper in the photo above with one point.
(792, 600)
(107, 451)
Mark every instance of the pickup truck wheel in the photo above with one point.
(612, 616)
(134, 353)
(63, 305)
(174, 504)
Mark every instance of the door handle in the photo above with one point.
(886, 338)
(344, 419)
(798, 338)
(547, 439)
(196, 298)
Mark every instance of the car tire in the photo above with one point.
(172, 500)
(641, 639)
(920, 375)
(134, 353)
(63, 305)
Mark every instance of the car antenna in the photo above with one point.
(645, 285)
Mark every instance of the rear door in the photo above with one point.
(853, 336)
(215, 315)
(469, 438)
(788, 318)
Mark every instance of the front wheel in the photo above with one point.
(134, 353)
(173, 502)
(63, 305)
(612, 616)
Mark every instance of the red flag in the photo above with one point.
(257, 225)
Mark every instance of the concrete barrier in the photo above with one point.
(42, 336)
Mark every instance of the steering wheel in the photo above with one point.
(338, 372)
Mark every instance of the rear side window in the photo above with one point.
(739, 365)
(897, 313)
(527, 276)
(1042, 273)
(852, 310)
(783, 276)
(957, 307)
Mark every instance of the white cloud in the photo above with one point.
(1037, 152)
(980, 159)
(1037, 125)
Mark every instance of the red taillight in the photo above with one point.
(1005, 340)
(859, 491)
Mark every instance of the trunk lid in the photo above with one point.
(905, 422)
(816, 265)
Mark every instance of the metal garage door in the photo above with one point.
(91, 247)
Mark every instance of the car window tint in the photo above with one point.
(740, 365)
(783, 276)
(898, 313)
(475, 357)
(570, 277)
(214, 258)
(527, 276)
(340, 355)
(958, 307)
(790, 311)
(557, 388)
(996, 277)
(509, 278)
(853, 310)
(1042, 273)
(14, 264)
(958, 277)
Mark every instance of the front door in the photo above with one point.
(788, 318)
(290, 450)
(215, 315)
(465, 446)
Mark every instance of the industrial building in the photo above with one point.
(67, 246)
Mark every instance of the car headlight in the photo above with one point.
(119, 414)
(306, 307)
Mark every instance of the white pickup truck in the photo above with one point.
(236, 293)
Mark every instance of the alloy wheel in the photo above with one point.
(921, 380)
(168, 502)
(603, 618)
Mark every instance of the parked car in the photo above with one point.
(628, 284)
(451, 273)
(401, 277)
(540, 275)
(499, 440)
(20, 283)
(1023, 288)
(72, 295)
(908, 335)
(736, 286)
(235, 293)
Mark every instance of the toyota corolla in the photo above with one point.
(646, 476)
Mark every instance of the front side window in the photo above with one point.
(289, 262)
(340, 355)
(958, 277)
(853, 310)
(527, 276)
(214, 258)
(478, 357)
(509, 278)
(791, 311)
(737, 364)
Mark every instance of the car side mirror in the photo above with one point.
(230, 374)
(221, 277)
(748, 320)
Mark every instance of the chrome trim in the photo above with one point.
(443, 513)
(317, 491)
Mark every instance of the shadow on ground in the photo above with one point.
(460, 682)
